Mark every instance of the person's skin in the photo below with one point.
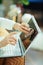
(22, 27)
(9, 39)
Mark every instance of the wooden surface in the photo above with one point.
(13, 61)
(1, 61)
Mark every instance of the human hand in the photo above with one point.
(10, 39)
(22, 27)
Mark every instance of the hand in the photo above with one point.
(10, 39)
(22, 27)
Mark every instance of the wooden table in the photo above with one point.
(13, 61)
(1, 61)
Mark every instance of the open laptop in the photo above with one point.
(34, 38)
(19, 49)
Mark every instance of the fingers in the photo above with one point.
(12, 33)
(12, 40)
(13, 43)
(25, 25)
(31, 32)
(25, 29)
(22, 27)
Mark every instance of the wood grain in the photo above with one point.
(15, 61)
(1, 61)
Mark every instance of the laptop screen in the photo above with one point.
(27, 39)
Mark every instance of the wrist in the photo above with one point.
(3, 43)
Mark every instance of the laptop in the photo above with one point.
(20, 49)
(34, 37)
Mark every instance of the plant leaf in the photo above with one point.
(25, 2)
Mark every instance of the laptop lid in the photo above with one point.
(27, 42)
